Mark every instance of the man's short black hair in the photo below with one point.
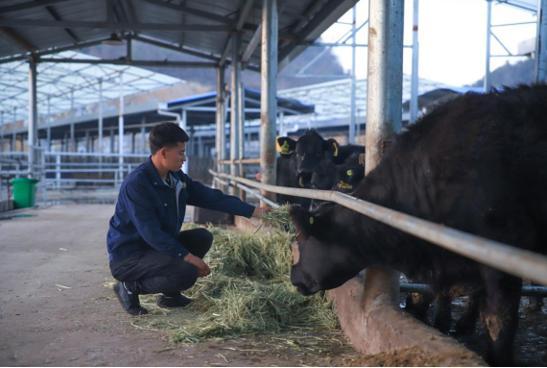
(166, 134)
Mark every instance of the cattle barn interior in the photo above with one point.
(75, 119)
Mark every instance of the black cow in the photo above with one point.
(477, 163)
(343, 177)
(310, 150)
(286, 176)
(343, 171)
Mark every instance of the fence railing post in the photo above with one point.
(58, 171)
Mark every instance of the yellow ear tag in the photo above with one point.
(335, 145)
(283, 148)
(344, 186)
(349, 172)
(312, 220)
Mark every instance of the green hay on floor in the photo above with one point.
(247, 292)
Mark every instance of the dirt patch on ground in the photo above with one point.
(410, 357)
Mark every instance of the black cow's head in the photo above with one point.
(325, 254)
(309, 150)
(349, 174)
(343, 177)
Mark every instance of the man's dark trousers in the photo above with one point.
(152, 272)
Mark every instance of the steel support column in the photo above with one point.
(281, 123)
(87, 149)
(268, 91)
(541, 42)
(48, 124)
(234, 106)
(72, 143)
(487, 83)
(100, 113)
(241, 130)
(184, 125)
(1, 131)
(384, 85)
(414, 88)
(121, 131)
(32, 116)
(112, 141)
(220, 141)
(351, 136)
(143, 134)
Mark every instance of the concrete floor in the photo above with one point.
(56, 308)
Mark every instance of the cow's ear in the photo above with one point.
(302, 219)
(333, 147)
(285, 145)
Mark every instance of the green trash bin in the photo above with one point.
(24, 192)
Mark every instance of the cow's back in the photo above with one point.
(477, 163)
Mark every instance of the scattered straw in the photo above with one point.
(279, 218)
(248, 293)
(249, 290)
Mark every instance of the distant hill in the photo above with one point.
(511, 75)
(327, 64)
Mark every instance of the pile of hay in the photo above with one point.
(247, 292)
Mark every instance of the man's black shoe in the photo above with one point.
(129, 300)
(173, 300)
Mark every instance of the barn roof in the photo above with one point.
(202, 28)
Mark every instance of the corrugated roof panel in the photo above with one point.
(148, 11)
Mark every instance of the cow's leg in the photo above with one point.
(443, 312)
(467, 322)
(499, 314)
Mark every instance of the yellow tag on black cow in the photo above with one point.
(284, 148)
(344, 186)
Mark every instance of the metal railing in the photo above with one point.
(68, 169)
(504, 257)
(243, 161)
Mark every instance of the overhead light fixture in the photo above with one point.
(114, 40)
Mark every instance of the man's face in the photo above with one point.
(174, 156)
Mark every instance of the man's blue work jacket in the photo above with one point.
(149, 213)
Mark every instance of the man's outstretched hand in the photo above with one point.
(203, 268)
(261, 211)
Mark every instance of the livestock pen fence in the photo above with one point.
(504, 257)
(88, 173)
(59, 171)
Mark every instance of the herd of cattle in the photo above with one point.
(477, 163)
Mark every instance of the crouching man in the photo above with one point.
(147, 253)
